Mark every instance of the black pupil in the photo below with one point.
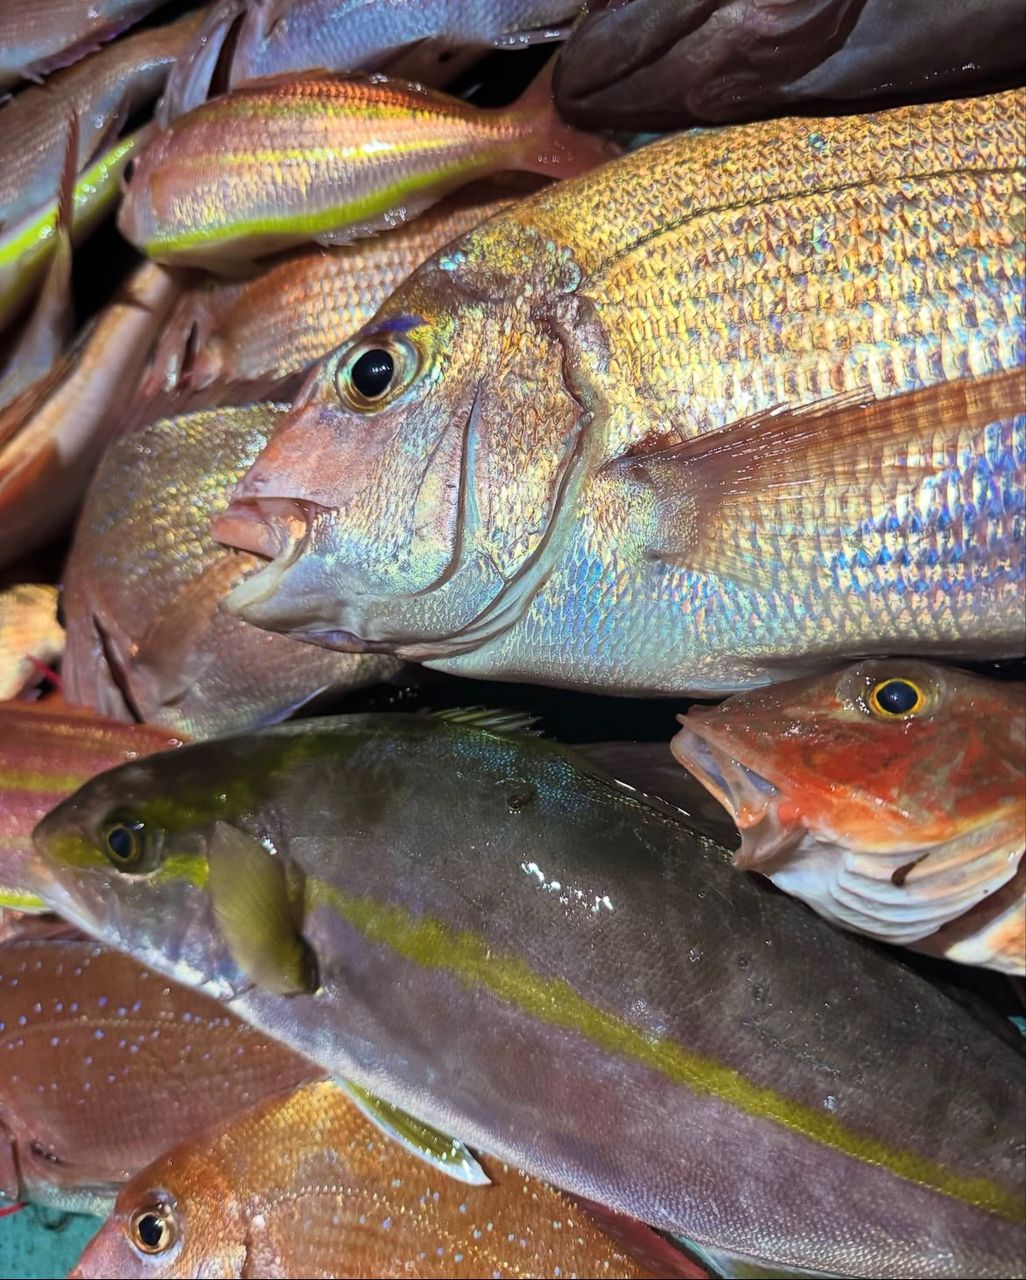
(372, 373)
(151, 1230)
(897, 697)
(121, 841)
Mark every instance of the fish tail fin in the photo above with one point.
(554, 147)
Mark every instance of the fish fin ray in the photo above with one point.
(446, 1154)
(251, 903)
(707, 488)
(493, 719)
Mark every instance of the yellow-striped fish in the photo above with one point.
(329, 159)
(481, 932)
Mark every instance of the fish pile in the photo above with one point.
(364, 369)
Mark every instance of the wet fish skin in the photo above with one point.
(107, 1065)
(38, 36)
(27, 245)
(297, 310)
(143, 586)
(30, 635)
(273, 39)
(681, 298)
(895, 825)
(665, 64)
(328, 159)
(304, 1181)
(53, 434)
(46, 752)
(102, 90)
(768, 1120)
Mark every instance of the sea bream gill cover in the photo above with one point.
(513, 638)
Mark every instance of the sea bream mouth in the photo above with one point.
(275, 529)
(751, 799)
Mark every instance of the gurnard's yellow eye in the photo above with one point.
(124, 843)
(896, 699)
(152, 1228)
(375, 371)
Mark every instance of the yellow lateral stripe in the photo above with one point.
(433, 945)
(335, 218)
(38, 781)
(96, 186)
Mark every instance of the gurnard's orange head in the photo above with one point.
(890, 795)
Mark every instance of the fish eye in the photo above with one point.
(152, 1228)
(123, 838)
(375, 369)
(896, 699)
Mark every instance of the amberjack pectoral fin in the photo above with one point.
(446, 1154)
(252, 904)
(783, 471)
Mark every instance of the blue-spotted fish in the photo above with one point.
(304, 1185)
(481, 931)
(106, 1065)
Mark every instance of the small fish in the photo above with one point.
(39, 36)
(102, 91)
(665, 64)
(107, 1065)
(52, 435)
(45, 753)
(31, 638)
(328, 159)
(297, 310)
(304, 1185)
(258, 38)
(144, 585)
(481, 931)
(890, 796)
(685, 424)
(28, 244)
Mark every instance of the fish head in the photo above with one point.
(181, 1216)
(882, 756)
(413, 499)
(125, 859)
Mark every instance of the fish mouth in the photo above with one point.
(751, 799)
(275, 529)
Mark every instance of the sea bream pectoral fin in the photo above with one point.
(806, 482)
(255, 912)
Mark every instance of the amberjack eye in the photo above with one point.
(152, 1227)
(123, 838)
(375, 371)
(896, 699)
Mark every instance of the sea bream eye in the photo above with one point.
(376, 370)
(372, 373)
(896, 699)
(152, 1229)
